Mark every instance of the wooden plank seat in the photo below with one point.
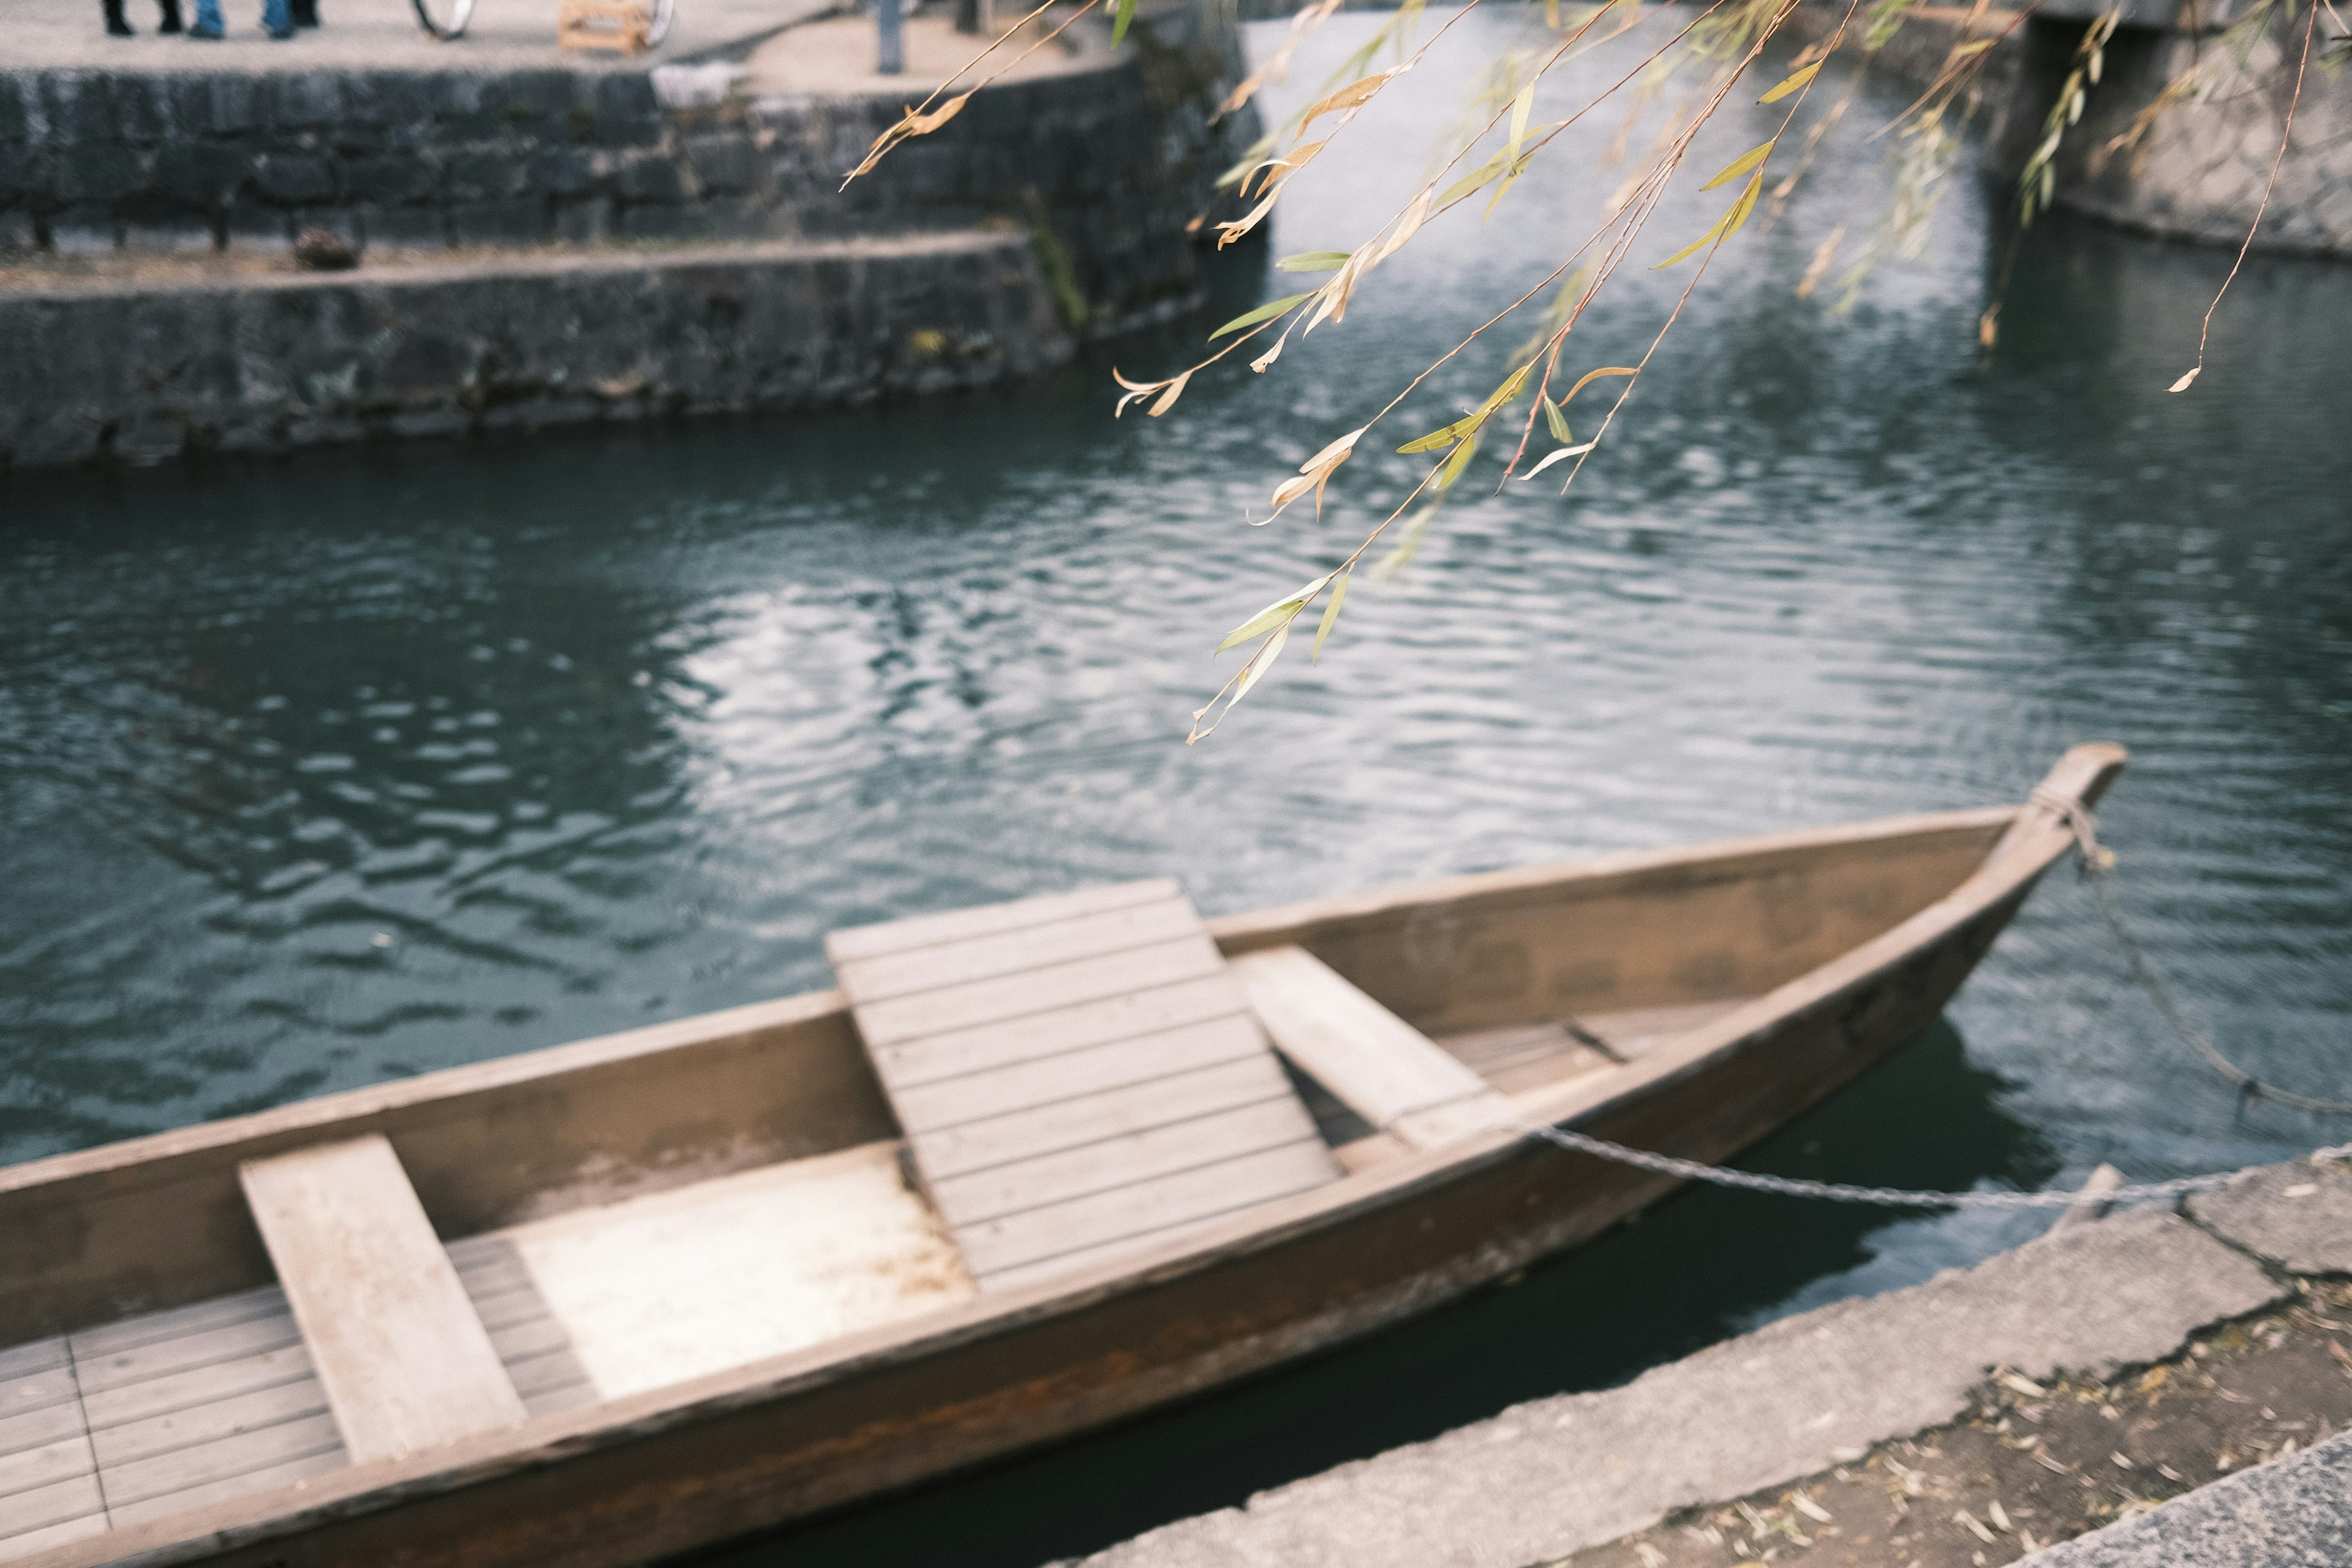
(400, 1352)
(1077, 1076)
(1390, 1073)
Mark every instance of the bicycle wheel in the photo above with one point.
(664, 10)
(444, 19)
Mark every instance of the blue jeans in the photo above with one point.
(276, 16)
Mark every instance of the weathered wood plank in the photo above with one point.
(41, 1539)
(29, 1469)
(209, 1422)
(872, 979)
(856, 942)
(1039, 990)
(1061, 1032)
(198, 1386)
(72, 1498)
(147, 1328)
(224, 1458)
(1355, 1047)
(24, 1361)
(1097, 1069)
(1087, 1060)
(406, 1363)
(36, 1391)
(35, 1428)
(1212, 1142)
(285, 1475)
(1039, 1234)
(206, 1347)
(1060, 1124)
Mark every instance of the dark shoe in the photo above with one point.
(279, 35)
(306, 12)
(116, 27)
(171, 23)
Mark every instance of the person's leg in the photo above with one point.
(276, 19)
(306, 12)
(116, 23)
(171, 21)
(208, 20)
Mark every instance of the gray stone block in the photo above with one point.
(391, 180)
(19, 233)
(254, 227)
(653, 177)
(294, 179)
(484, 174)
(588, 221)
(538, 92)
(404, 227)
(729, 164)
(23, 171)
(564, 171)
(79, 106)
(221, 103)
(141, 109)
(517, 221)
(17, 90)
(186, 236)
(201, 175)
(2298, 1216)
(99, 171)
(83, 231)
(663, 220)
(627, 95)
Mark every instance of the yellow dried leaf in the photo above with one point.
(1590, 376)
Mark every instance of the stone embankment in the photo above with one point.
(538, 242)
(2195, 168)
(2098, 1374)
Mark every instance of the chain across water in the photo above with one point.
(2080, 822)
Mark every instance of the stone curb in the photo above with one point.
(1552, 1476)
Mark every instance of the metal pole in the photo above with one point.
(887, 17)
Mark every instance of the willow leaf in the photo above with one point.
(1795, 83)
(1119, 24)
(1590, 376)
(1315, 260)
(1330, 617)
(1266, 312)
(1740, 166)
(1474, 180)
(1456, 463)
(1556, 417)
(1262, 661)
(1273, 614)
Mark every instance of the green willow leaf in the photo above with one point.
(1556, 417)
(1315, 261)
(1330, 616)
(1266, 312)
(1118, 28)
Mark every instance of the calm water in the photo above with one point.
(331, 771)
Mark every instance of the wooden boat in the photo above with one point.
(615, 1300)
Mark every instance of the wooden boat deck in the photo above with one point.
(115, 1426)
(1077, 1076)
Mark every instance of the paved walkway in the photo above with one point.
(366, 35)
(1554, 1476)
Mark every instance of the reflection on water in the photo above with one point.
(330, 771)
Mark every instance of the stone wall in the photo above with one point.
(141, 373)
(1103, 163)
(2200, 171)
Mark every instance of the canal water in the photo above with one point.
(318, 773)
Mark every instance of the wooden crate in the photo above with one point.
(616, 27)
